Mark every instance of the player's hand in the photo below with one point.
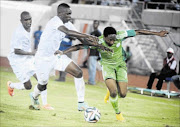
(58, 52)
(163, 33)
(92, 39)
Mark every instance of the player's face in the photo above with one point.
(66, 15)
(26, 21)
(110, 39)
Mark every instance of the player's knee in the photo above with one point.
(79, 73)
(27, 85)
(123, 95)
(42, 87)
(113, 94)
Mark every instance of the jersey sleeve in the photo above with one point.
(18, 40)
(123, 34)
(17, 44)
(72, 27)
(100, 39)
(93, 47)
(57, 23)
(131, 33)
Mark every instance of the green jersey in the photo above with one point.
(116, 58)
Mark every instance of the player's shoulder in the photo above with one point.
(125, 33)
(55, 20)
(53, 23)
(121, 32)
(101, 39)
(20, 28)
(20, 31)
(69, 24)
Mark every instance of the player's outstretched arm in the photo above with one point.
(21, 52)
(78, 34)
(94, 44)
(85, 41)
(71, 49)
(82, 46)
(162, 33)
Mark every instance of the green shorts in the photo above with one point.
(117, 73)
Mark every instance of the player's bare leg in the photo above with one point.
(122, 89)
(76, 71)
(112, 86)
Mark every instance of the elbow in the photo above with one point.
(16, 51)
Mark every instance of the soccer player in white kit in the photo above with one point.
(46, 60)
(21, 58)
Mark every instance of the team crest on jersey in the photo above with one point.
(118, 44)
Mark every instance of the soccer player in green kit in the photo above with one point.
(113, 65)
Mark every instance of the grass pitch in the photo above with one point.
(138, 110)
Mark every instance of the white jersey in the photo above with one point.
(22, 65)
(21, 40)
(51, 37)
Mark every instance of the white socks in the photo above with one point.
(36, 92)
(19, 86)
(44, 97)
(43, 94)
(80, 88)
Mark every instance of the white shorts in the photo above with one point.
(23, 69)
(45, 65)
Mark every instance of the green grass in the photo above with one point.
(138, 110)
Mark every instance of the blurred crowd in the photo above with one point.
(148, 4)
(151, 4)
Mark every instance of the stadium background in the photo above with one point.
(148, 52)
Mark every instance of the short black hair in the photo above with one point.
(24, 13)
(62, 5)
(109, 30)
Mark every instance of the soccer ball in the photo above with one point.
(92, 115)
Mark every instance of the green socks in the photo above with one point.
(114, 102)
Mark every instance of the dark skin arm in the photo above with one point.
(95, 44)
(162, 33)
(21, 52)
(74, 48)
(77, 34)
(72, 38)
(81, 46)
(71, 49)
